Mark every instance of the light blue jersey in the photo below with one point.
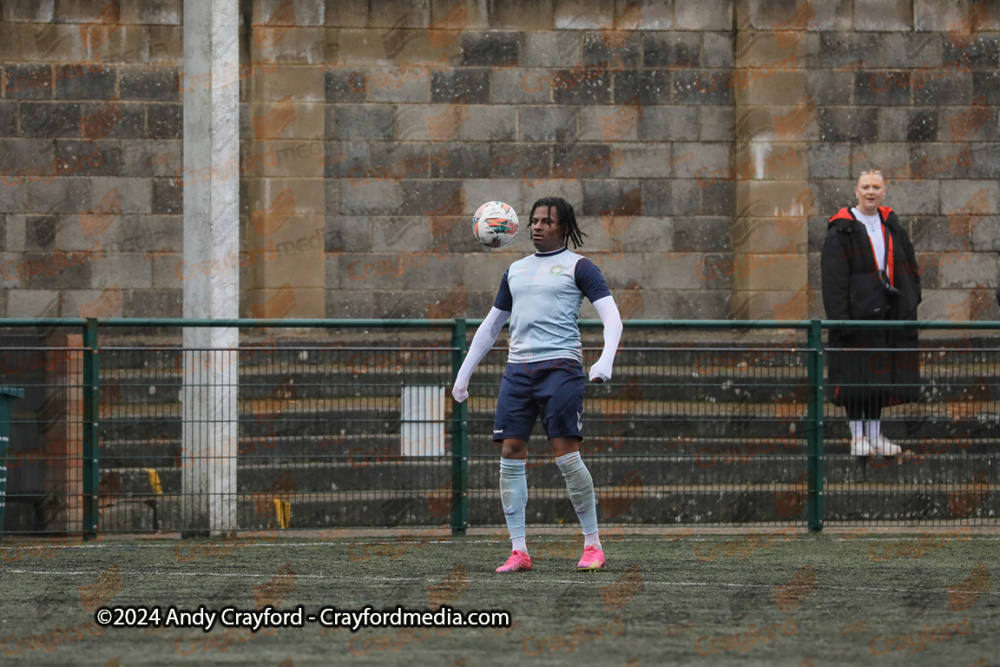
(543, 293)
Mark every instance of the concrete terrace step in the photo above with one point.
(680, 504)
(602, 419)
(278, 391)
(345, 374)
(964, 404)
(367, 449)
(411, 348)
(629, 476)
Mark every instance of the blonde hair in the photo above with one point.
(873, 172)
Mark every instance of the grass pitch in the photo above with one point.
(770, 597)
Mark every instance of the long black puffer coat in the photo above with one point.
(883, 365)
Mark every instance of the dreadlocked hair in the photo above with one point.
(567, 219)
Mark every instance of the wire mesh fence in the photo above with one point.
(42, 481)
(352, 424)
(946, 470)
(696, 427)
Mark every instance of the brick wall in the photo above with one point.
(703, 145)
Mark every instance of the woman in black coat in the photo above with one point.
(870, 272)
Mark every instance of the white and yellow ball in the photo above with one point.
(495, 224)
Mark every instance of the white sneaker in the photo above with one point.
(860, 446)
(882, 446)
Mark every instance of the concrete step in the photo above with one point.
(776, 505)
(713, 440)
(644, 418)
(358, 349)
(355, 348)
(615, 475)
(708, 382)
(362, 450)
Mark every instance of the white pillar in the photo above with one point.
(211, 234)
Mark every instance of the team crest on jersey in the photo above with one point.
(557, 269)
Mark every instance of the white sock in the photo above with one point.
(514, 496)
(580, 486)
(857, 428)
(873, 429)
(592, 540)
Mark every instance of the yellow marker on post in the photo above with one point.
(154, 481)
(283, 512)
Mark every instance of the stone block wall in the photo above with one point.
(703, 145)
(90, 137)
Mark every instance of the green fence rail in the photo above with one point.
(721, 422)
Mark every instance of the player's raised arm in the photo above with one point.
(482, 343)
(485, 336)
(612, 320)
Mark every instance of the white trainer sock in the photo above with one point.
(592, 540)
(580, 486)
(514, 496)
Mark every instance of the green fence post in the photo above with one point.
(459, 438)
(91, 411)
(814, 450)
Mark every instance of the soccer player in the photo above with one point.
(541, 295)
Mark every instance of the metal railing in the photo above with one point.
(349, 423)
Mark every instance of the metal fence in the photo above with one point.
(328, 424)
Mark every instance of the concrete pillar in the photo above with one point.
(211, 234)
(775, 118)
(61, 432)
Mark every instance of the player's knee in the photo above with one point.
(514, 449)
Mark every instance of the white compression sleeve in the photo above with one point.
(612, 320)
(482, 343)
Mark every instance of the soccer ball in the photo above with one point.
(495, 224)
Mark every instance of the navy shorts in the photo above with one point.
(553, 389)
